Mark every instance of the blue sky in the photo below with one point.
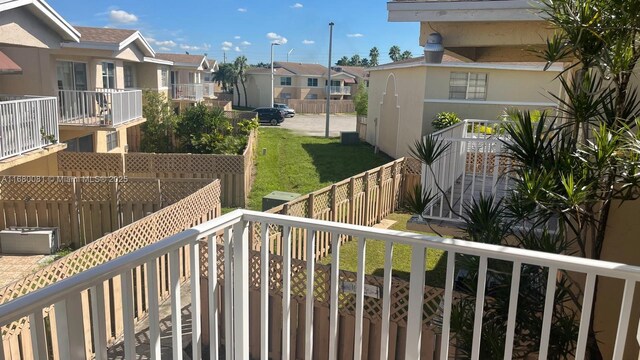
(248, 26)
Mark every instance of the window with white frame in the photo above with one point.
(468, 86)
(285, 81)
(129, 76)
(112, 140)
(312, 82)
(312, 96)
(108, 75)
(164, 77)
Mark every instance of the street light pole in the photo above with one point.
(326, 130)
(272, 45)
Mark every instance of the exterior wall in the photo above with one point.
(505, 88)
(42, 166)
(149, 76)
(409, 90)
(131, 52)
(258, 91)
(20, 27)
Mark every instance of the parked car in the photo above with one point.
(289, 112)
(271, 116)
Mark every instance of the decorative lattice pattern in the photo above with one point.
(82, 161)
(412, 166)
(49, 189)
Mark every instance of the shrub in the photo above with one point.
(444, 120)
(361, 100)
(160, 125)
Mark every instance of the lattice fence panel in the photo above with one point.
(96, 162)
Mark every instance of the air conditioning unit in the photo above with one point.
(29, 240)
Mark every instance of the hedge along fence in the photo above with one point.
(372, 323)
(85, 209)
(201, 206)
(225, 105)
(319, 106)
(364, 199)
(234, 171)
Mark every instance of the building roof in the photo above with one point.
(357, 71)
(44, 12)
(186, 60)
(104, 35)
(110, 39)
(8, 66)
(276, 71)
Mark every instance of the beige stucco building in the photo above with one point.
(404, 97)
(294, 81)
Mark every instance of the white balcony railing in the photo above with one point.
(102, 107)
(192, 92)
(340, 90)
(231, 232)
(473, 165)
(208, 90)
(26, 123)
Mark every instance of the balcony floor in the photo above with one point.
(116, 351)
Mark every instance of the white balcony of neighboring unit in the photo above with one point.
(27, 123)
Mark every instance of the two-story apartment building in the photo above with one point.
(294, 81)
(360, 74)
(186, 78)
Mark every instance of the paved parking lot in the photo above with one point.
(314, 125)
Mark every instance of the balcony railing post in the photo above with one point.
(241, 290)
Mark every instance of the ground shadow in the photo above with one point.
(335, 162)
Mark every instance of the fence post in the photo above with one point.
(367, 216)
(285, 209)
(334, 202)
(310, 204)
(394, 187)
(75, 213)
(380, 180)
(115, 202)
(352, 200)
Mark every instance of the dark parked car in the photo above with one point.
(271, 116)
(289, 112)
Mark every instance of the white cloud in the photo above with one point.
(237, 37)
(297, 6)
(245, 43)
(356, 35)
(164, 43)
(227, 44)
(278, 39)
(122, 17)
(308, 42)
(242, 9)
(224, 48)
(187, 47)
(237, 49)
(164, 49)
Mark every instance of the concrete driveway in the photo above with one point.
(314, 124)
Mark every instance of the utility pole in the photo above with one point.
(272, 45)
(224, 57)
(326, 130)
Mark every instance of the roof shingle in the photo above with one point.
(181, 58)
(103, 35)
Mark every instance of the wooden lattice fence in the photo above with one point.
(319, 106)
(234, 171)
(194, 209)
(372, 310)
(86, 208)
(364, 199)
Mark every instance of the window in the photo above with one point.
(164, 77)
(112, 140)
(108, 75)
(285, 95)
(312, 82)
(312, 96)
(129, 76)
(468, 86)
(285, 81)
(81, 144)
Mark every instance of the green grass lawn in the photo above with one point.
(374, 260)
(303, 164)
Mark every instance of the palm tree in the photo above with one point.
(394, 53)
(240, 65)
(355, 60)
(225, 77)
(374, 54)
(344, 61)
(406, 55)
